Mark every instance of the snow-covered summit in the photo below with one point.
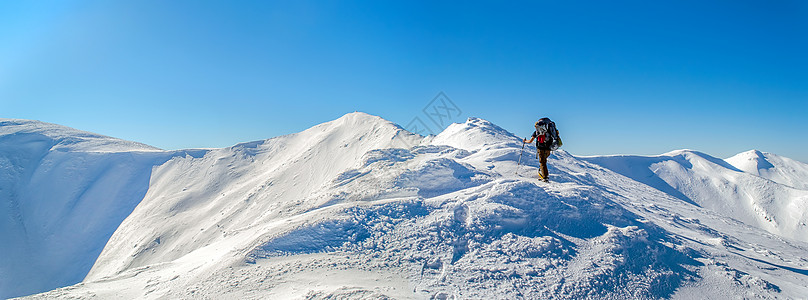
(475, 134)
(360, 208)
(752, 161)
(779, 169)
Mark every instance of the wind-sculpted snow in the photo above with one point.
(358, 208)
(506, 239)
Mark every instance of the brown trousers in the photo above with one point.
(543, 154)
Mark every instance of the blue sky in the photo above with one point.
(632, 77)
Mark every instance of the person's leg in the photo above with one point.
(543, 154)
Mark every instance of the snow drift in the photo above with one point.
(360, 208)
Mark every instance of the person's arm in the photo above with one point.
(531, 138)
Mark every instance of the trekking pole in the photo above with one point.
(518, 164)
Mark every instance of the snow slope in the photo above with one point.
(746, 187)
(194, 202)
(63, 192)
(360, 208)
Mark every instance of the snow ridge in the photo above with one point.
(61, 138)
(360, 208)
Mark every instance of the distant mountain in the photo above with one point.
(747, 187)
(360, 208)
(776, 168)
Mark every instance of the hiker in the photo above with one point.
(547, 140)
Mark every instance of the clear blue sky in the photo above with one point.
(635, 77)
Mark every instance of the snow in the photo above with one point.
(746, 187)
(63, 193)
(776, 168)
(60, 138)
(360, 208)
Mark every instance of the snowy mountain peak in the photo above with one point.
(356, 127)
(357, 120)
(752, 161)
(47, 136)
(776, 168)
(476, 134)
(359, 127)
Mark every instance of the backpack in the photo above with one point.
(547, 135)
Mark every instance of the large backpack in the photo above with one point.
(547, 135)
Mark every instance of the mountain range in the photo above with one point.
(360, 208)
